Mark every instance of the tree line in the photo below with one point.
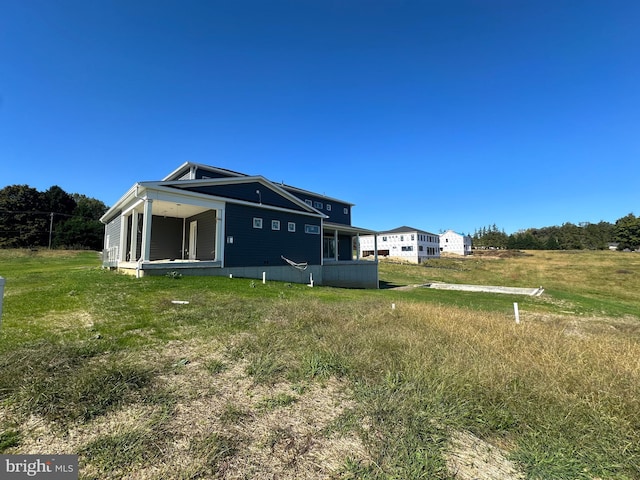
(625, 232)
(53, 218)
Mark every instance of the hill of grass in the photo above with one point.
(281, 380)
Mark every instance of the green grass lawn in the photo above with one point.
(282, 380)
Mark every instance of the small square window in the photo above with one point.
(275, 224)
(328, 207)
(317, 205)
(309, 202)
(291, 226)
(257, 222)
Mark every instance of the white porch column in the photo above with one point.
(321, 242)
(122, 255)
(146, 230)
(134, 237)
(335, 246)
(220, 237)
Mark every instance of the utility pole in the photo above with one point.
(50, 228)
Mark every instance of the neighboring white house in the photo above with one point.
(452, 242)
(404, 243)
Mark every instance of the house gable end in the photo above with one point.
(195, 171)
(253, 192)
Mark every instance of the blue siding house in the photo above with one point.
(203, 220)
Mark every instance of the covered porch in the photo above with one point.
(341, 262)
(164, 229)
(341, 243)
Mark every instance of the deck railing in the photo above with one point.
(110, 257)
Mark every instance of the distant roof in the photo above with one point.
(405, 229)
(461, 234)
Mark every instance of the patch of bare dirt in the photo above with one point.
(223, 425)
(470, 458)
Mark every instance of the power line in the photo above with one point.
(38, 212)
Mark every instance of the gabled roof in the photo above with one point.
(212, 182)
(189, 186)
(452, 231)
(187, 166)
(314, 194)
(193, 188)
(404, 229)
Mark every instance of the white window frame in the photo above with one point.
(257, 222)
(328, 207)
(275, 224)
(291, 227)
(312, 229)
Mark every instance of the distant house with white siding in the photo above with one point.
(452, 242)
(405, 243)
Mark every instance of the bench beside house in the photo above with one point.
(204, 220)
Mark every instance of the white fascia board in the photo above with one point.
(171, 176)
(206, 200)
(347, 228)
(125, 199)
(243, 179)
(315, 194)
(177, 170)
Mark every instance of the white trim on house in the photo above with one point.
(194, 166)
(164, 192)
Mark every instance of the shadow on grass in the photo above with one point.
(382, 285)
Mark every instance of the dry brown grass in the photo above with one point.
(267, 383)
(268, 440)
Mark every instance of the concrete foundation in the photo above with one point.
(486, 288)
(355, 274)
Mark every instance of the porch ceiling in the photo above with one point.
(346, 229)
(178, 210)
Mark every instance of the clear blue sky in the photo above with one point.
(434, 114)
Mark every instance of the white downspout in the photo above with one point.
(375, 246)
